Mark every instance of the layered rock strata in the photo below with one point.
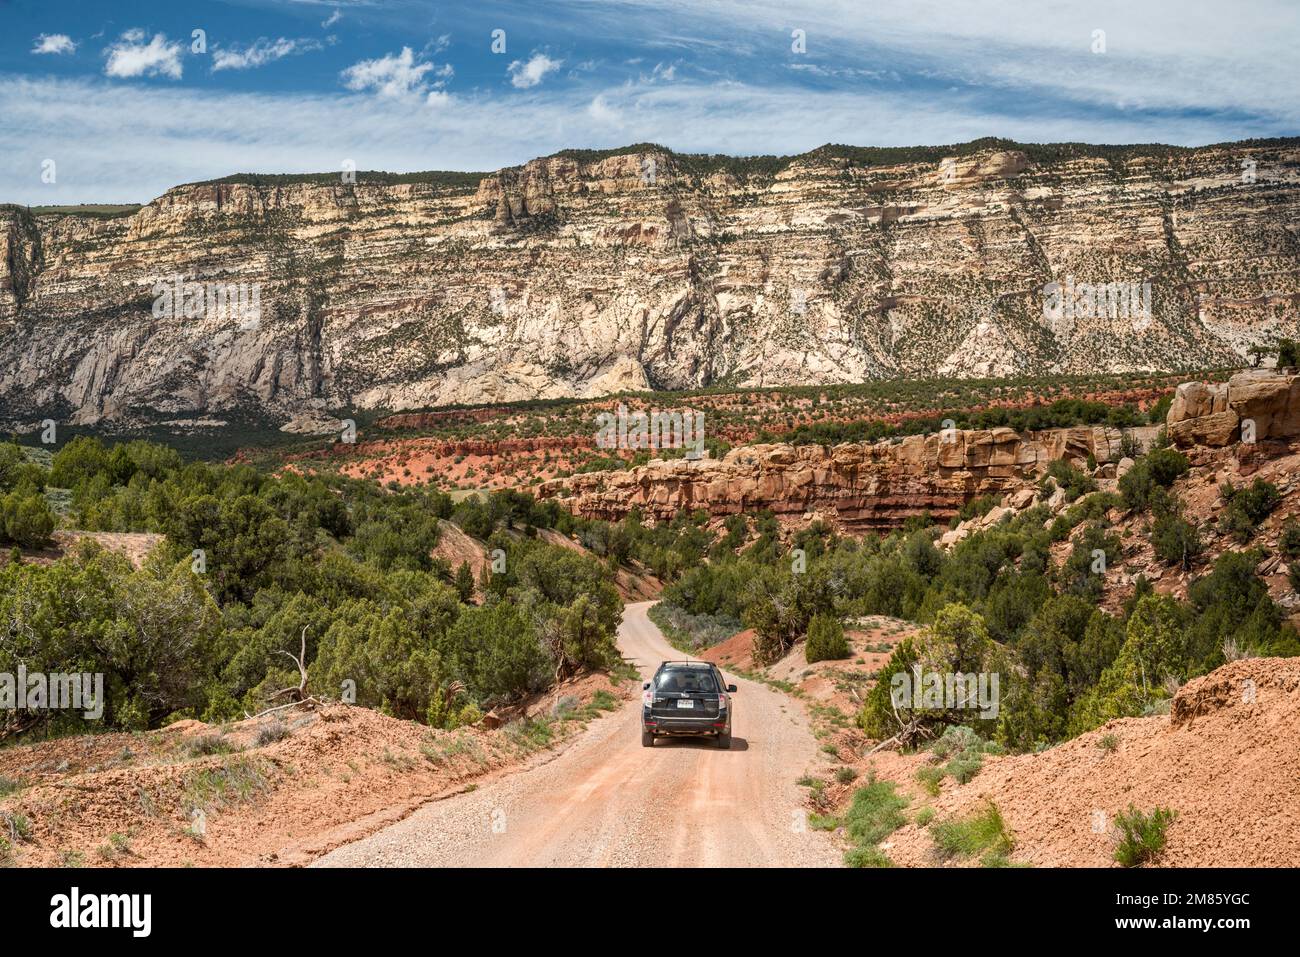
(855, 486)
(585, 274)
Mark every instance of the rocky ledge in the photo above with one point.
(856, 486)
(1252, 406)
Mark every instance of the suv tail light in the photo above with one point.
(648, 697)
(722, 701)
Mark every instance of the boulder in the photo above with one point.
(953, 536)
(995, 515)
(1020, 499)
(1253, 405)
(1270, 400)
(1216, 429)
(1193, 400)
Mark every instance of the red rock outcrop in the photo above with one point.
(855, 486)
(1214, 413)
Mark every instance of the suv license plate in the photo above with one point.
(685, 703)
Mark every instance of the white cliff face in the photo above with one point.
(585, 274)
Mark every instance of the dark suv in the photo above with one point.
(686, 697)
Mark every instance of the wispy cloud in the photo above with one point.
(1160, 55)
(127, 142)
(130, 56)
(332, 19)
(261, 51)
(525, 74)
(54, 43)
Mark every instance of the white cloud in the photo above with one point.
(332, 19)
(131, 56)
(395, 75)
(128, 142)
(600, 111)
(54, 43)
(260, 52)
(524, 75)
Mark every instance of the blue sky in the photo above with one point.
(126, 101)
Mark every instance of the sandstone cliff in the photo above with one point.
(1252, 406)
(855, 486)
(587, 273)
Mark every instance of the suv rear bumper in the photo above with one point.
(653, 724)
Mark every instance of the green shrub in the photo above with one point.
(930, 777)
(980, 833)
(1247, 507)
(963, 750)
(1176, 541)
(868, 856)
(1067, 477)
(875, 812)
(1288, 353)
(964, 767)
(976, 508)
(1289, 541)
(826, 639)
(1142, 836)
(1157, 469)
(1158, 413)
(25, 518)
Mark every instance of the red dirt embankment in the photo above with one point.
(336, 774)
(1226, 760)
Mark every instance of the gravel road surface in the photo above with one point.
(608, 802)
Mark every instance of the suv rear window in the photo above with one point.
(690, 680)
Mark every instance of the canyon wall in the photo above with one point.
(589, 273)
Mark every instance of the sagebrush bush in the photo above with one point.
(1142, 835)
(271, 732)
(207, 744)
(868, 856)
(875, 812)
(980, 833)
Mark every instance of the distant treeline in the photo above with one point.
(1061, 414)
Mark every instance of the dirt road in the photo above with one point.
(607, 801)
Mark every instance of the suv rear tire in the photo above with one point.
(647, 739)
(724, 740)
